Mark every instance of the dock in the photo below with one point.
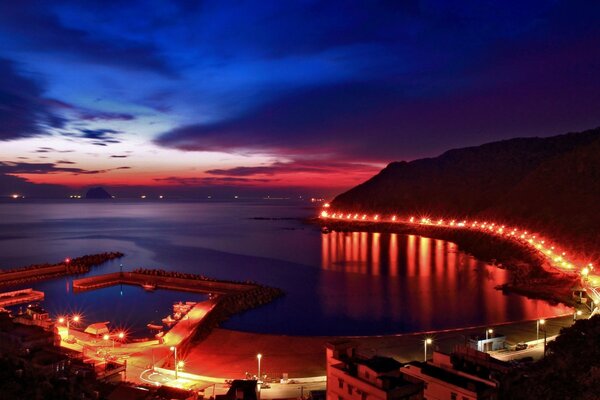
(20, 297)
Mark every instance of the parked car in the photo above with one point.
(521, 346)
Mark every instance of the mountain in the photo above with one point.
(98, 193)
(551, 184)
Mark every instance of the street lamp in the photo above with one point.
(537, 330)
(75, 319)
(543, 324)
(258, 357)
(488, 333)
(577, 314)
(425, 343)
(174, 350)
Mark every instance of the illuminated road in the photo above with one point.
(554, 254)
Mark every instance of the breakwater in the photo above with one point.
(231, 297)
(531, 275)
(170, 281)
(36, 272)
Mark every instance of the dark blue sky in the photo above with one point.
(293, 94)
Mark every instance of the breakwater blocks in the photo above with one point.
(69, 266)
(229, 297)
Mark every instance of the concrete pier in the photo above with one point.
(160, 282)
(20, 296)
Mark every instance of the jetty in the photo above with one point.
(15, 297)
(69, 266)
(160, 282)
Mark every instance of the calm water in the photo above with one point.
(338, 283)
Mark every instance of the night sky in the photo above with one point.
(297, 97)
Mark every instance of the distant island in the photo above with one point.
(98, 193)
(549, 184)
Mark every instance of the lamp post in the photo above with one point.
(107, 337)
(577, 314)
(174, 350)
(258, 357)
(543, 323)
(75, 318)
(425, 343)
(488, 334)
(537, 330)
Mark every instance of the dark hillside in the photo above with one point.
(546, 183)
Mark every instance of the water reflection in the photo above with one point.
(412, 281)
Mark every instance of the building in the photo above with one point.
(461, 376)
(35, 315)
(353, 377)
(20, 338)
(493, 342)
(241, 389)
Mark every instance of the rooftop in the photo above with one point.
(450, 377)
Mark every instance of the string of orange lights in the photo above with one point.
(556, 257)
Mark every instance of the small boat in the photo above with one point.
(149, 287)
(325, 229)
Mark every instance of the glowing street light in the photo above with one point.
(489, 333)
(577, 314)
(258, 357)
(425, 343)
(174, 350)
(75, 319)
(537, 332)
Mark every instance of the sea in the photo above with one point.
(338, 283)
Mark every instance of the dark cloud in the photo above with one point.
(38, 26)
(51, 150)
(119, 156)
(99, 137)
(87, 114)
(198, 181)
(64, 162)
(12, 168)
(313, 167)
(23, 112)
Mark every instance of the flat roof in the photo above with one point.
(450, 377)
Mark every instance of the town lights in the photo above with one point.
(121, 335)
(489, 333)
